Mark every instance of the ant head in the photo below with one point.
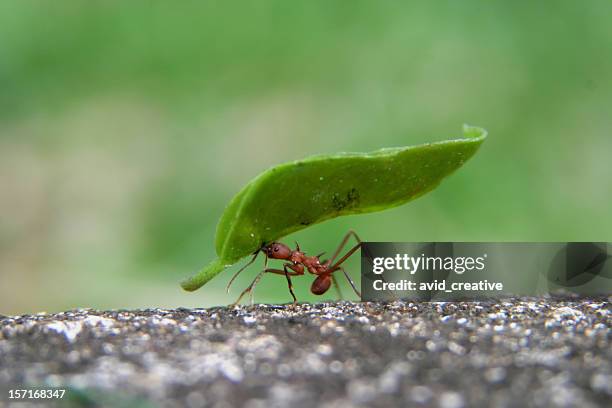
(276, 250)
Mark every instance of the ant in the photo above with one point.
(298, 262)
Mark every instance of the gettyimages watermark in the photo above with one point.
(446, 271)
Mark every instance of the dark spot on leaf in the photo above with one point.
(305, 219)
(351, 199)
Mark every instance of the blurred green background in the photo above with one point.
(125, 127)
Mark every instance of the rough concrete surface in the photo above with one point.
(515, 353)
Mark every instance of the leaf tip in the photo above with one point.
(474, 132)
(201, 278)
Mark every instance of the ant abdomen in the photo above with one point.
(321, 284)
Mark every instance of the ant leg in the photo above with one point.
(338, 266)
(250, 288)
(242, 269)
(335, 282)
(350, 252)
(343, 243)
(289, 284)
(282, 272)
(350, 281)
(288, 275)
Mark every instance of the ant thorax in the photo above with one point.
(297, 257)
(313, 264)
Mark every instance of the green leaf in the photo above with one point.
(292, 196)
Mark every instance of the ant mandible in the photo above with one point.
(298, 262)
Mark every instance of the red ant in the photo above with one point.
(297, 262)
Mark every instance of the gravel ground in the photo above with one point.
(516, 353)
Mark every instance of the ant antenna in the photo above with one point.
(227, 288)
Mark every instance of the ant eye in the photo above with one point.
(275, 249)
